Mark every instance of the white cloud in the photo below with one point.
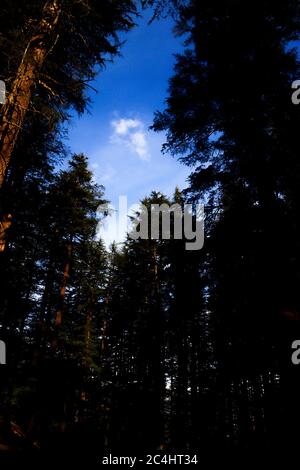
(139, 142)
(131, 132)
(103, 174)
(123, 126)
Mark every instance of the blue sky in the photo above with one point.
(124, 154)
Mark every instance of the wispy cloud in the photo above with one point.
(103, 174)
(131, 132)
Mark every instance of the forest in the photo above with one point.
(147, 348)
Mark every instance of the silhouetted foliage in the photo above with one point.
(150, 347)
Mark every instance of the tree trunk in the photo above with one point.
(43, 322)
(62, 295)
(5, 224)
(88, 336)
(18, 100)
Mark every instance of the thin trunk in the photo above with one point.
(62, 295)
(104, 337)
(88, 336)
(41, 327)
(5, 224)
(155, 350)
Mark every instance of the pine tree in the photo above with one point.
(57, 54)
(229, 115)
